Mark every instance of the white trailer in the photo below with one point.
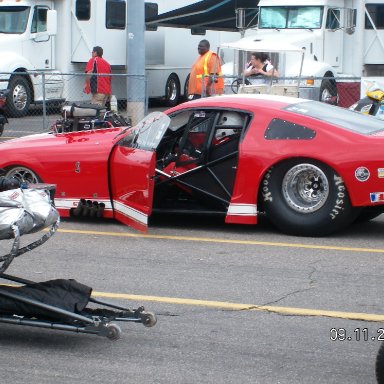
(56, 37)
(341, 38)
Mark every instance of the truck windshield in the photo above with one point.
(13, 19)
(290, 17)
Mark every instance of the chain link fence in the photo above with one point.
(340, 91)
(44, 94)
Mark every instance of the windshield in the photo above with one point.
(344, 118)
(290, 17)
(148, 132)
(13, 19)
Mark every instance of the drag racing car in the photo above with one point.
(312, 169)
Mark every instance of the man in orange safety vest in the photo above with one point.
(202, 80)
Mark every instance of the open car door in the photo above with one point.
(132, 170)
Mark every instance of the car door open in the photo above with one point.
(132, 170)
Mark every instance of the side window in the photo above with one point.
(333, 19)
(286, 130)
(115, 14)
(376, 13)
(39, 20)
(83, 9)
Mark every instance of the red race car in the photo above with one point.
(311, 168)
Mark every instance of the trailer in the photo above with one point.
(43, 43)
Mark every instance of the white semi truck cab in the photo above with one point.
(341, 38)
(26, 45)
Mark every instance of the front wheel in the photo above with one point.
(172, 90)
(306, 198)
(23, 174)
(328, 92)
(19, 97)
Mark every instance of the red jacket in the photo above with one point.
(98, 84)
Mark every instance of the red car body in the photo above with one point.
(310, 167)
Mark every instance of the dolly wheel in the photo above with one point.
(113, 332)
(148, 318)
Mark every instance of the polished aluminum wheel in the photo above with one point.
(305, 188)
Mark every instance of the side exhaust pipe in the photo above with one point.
(78, 211)
(88, 208)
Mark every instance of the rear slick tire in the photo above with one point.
(306, 198)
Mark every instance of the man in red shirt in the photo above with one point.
(95, 83)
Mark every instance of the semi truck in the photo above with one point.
(44, 43)
(343, 40)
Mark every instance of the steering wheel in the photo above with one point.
(236, 84)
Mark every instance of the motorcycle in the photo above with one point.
(3, 118)
(372, 103)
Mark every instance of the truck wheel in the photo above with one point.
(306, 198)
(23, 174)
(19, 97)
(380, 365)
(328, 92)
(172, 90)
(186, 84)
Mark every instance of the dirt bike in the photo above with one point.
(3, 118)
(372, 103)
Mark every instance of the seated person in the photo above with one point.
(260, 70)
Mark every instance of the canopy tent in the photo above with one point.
(204, 15)
(255, 45)
(252, 44)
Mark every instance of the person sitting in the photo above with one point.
(260, 70)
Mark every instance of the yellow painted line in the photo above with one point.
(227, 241)
(288, 311)
(291, 311)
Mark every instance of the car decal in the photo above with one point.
(242, 210)
(130, 212)
(377, 197)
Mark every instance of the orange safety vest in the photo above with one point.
(207, 64)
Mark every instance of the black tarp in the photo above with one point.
(68, 295)
(208, 15)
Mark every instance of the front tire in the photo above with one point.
(328, 92)
(19, 98)
(23, 174)
(306, 198)
(172, 90)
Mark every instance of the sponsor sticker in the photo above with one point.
(362, 174)
(377, 197)
(380, 173)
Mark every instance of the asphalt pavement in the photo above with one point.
(235, 304)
